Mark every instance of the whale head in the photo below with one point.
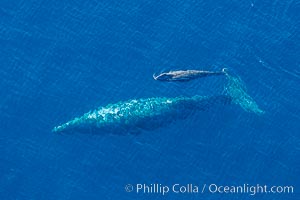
(163, 77)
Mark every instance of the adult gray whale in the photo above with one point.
(150, 113)
(140, 114)
(186, 75)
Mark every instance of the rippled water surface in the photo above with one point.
(60, 59)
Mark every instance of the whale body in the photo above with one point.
(150, 113)
(186, 75)
(141, 114)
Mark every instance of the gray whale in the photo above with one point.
(141, 114)
(150, 113)
(186, 75)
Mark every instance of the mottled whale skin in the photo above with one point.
(141, 114)
(186, 75)
(150, 113)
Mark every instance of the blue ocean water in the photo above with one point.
(60, 59)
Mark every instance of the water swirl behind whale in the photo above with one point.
(150, 113)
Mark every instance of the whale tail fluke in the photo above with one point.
(225, 71)
(237, 90)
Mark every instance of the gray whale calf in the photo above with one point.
(150, 113)
(186, 75)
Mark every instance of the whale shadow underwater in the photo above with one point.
(134, 116)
